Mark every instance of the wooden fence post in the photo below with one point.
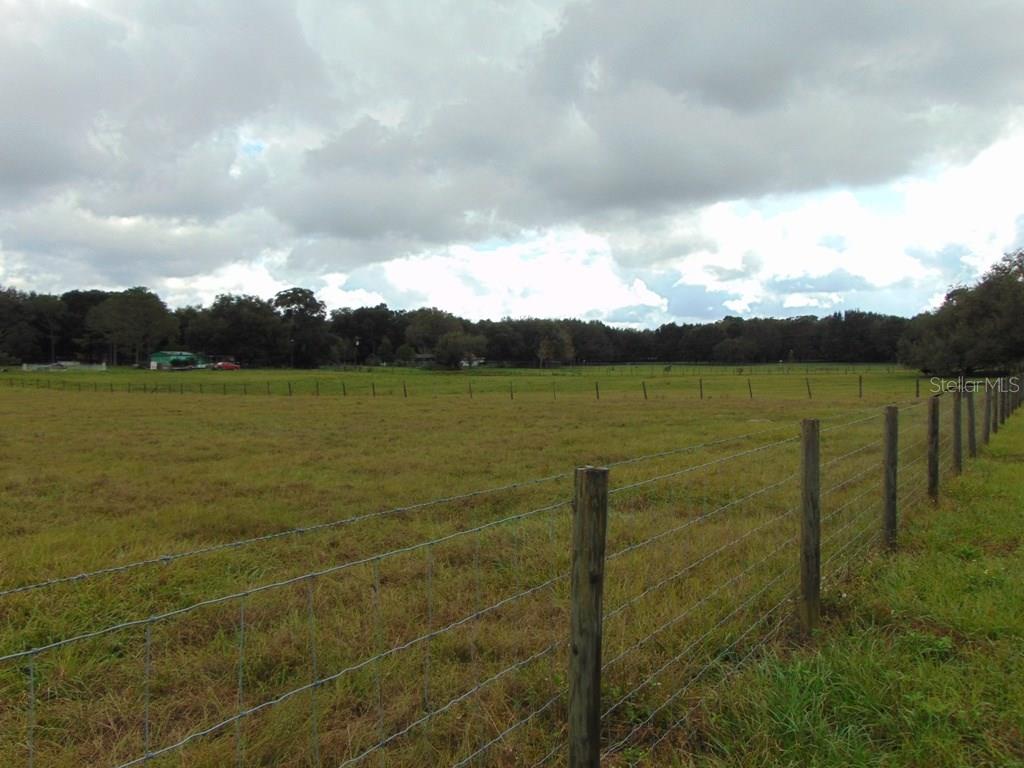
(995, 408)
(373, 389)
(809, 607)
(750, 389)
(860, 386)
(344, 391)
(700, 383)
(597, 390)
(644, 385)
(405, 390)
(807, 381)
(917, 388)
(958, 433)
(289, 389)
(972, 426)
(890, 479)
(590, 520)
(986, 424)
(933, 447)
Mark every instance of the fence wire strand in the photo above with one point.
(280, 584)
(746, 603)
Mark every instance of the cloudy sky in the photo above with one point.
(632, 162)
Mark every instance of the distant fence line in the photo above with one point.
(778, 545)
(337, 387)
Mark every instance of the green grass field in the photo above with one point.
(702, 541)
(921, 658)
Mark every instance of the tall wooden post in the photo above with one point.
(986, 425)
(997, 407)
(809, 606)
(972, 426)
(958, 433)
(890, 467)
(860, 386)
(590, 521)
(933, 447)
(750, 389)
(700, 383)
(807, 381)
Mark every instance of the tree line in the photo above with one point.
(977, 327)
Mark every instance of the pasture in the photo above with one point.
(393, 615)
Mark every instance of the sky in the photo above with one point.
(637, 163)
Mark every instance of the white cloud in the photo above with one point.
(335, 295)
(565, 273)
(673, 160)
(254, 278)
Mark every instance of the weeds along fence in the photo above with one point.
(579, 628)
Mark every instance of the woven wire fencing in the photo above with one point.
(440, 637)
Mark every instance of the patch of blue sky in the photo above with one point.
(252, 147)
(881, 198)
(491, 244)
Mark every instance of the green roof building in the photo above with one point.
(165, 360)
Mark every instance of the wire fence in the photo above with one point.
(656, 382)
(450, 649)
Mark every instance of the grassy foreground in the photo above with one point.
(921, 658)
(704, 541)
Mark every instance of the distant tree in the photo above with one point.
(19, 338)
(47, 312)
(427, 326)
(405, 354)
(385, 350)
(248, 328)
(135, 319)
(305, 318)
(454, 347)
(977, 328)
(555, 345)
(371, 325)
(75, 338)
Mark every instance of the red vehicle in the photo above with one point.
(226, 365)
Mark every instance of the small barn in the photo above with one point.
(167, 360)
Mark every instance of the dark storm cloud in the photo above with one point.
(644, 109)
